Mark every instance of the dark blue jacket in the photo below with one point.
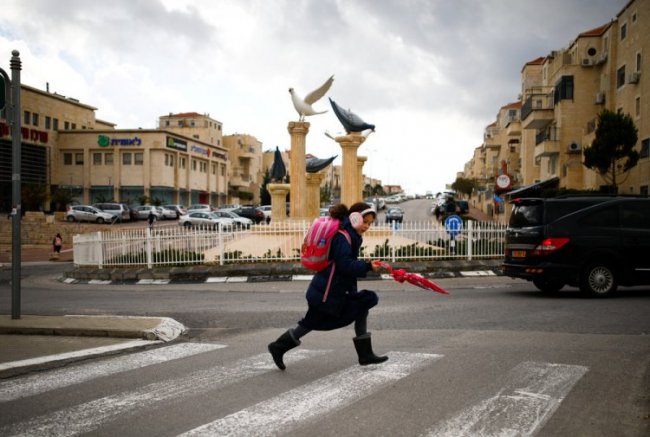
(348, 268)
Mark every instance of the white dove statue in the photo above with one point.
(303, 106)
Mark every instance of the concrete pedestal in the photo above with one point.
(278, 201)
(298, 131)
(312, 208)
(361, 160)
(350, 192)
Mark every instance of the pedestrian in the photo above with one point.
(57, 242)
(151, 218)
(345, 304)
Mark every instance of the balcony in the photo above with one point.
(513, 129)
(546, 143)
(537, 111)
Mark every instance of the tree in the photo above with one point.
(612, 152)
(265, 196)
(465, 186)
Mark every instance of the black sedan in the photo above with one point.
(394, 214)
(250, 212)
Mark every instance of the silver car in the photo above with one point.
(87, 213)
(142, 212)
(240, 222)
(205, 219)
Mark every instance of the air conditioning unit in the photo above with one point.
(600, 98)
(587, 62)
(602, 59)
(574, 147)
(634, 77)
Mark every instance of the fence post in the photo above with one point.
(100, 251)
(221, 245)
(147, 234)
(392, 242)
(470, 238)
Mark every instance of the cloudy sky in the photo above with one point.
(429, 74)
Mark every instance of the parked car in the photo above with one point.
(250, 212)
(594, 243)
(394, 214)
(266, 210)
(199, 207)
(87, 213)
(207, 219)
(119, 211)
(180, 209)
(142, 212)
(240, 222)
(166, 213)
(462, 206)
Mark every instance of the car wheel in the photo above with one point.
(70, 218)
(598, 280)
(187, 224)
(100, 220)
(548, 285)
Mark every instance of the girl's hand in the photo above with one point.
(376, 265)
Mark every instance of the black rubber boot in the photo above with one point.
(364, 349)
(280, 346)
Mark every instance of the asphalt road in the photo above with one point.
(494, 356)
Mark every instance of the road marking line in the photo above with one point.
(84, 418)
(532, 394)
(43, 382)
(285, 412)
(76, 354)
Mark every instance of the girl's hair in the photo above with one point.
(341, 211)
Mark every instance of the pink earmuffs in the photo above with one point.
(356, 218)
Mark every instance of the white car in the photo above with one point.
(199, 207)
(166, 213)
(87, 213)
(240, 222)
(205, 219)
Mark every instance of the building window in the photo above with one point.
(214, 169)
(108, 158)
(126, 159)
(55, 124)
(79, 158)
(27, 117)
(97, 158)
(643, 189)
(138, 158)
(645, 148)
(35, 119)
(48, 122)
(74, 126)
(638, 62)
(166, 159)
(67, 159)
(564, 89)
(620, 77)
(181, 162)
(623, 31)
(66, 125)
(166, 122)
(194, 165)
(637, 106)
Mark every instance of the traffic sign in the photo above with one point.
(453, 225)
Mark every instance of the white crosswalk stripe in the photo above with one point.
(322, 396)
(532, 394)
(47, 381)
(89, 416)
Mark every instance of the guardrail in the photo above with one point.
(278, 242)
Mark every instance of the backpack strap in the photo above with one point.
(329, 281)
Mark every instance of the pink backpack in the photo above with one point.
(315, 249)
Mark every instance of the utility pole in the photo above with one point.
(10, 93)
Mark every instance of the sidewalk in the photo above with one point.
(36, 254)
(38, 342)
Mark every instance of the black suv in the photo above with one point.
(594, 243)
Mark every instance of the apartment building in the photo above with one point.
(540, 139)
(246, 170)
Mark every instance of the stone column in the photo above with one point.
(314, 180)
(361, 160)
(298, 131)
(349, 173)
(278, 201)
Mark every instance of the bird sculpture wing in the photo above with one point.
(350, 121)
(313, 96)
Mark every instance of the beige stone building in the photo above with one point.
(542, 140)
(246, 171)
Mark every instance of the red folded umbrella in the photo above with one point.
(401, 275)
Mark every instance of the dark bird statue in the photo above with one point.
(278, 169)
(351, 122)
(314, 165)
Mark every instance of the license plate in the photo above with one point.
(519, 254)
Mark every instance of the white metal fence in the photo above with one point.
(174, 245)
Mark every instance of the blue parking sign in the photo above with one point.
(453, 225)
